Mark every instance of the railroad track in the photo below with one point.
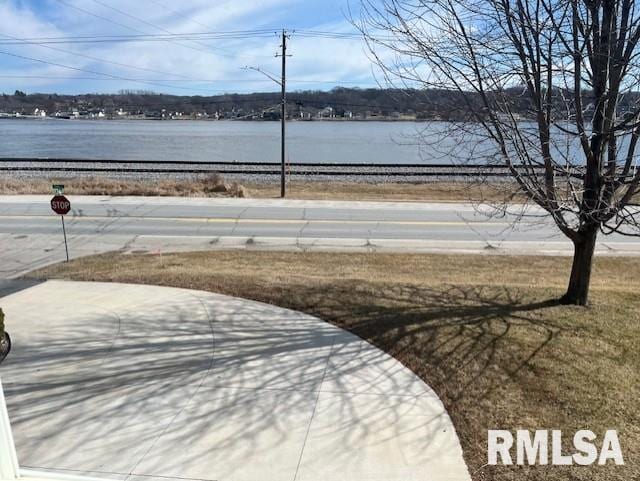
(105, 166)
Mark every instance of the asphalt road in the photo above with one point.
(31, 234)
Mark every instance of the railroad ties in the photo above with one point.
(32, 167)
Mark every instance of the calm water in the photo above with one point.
(378, 142)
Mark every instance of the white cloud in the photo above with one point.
(313, 58)
(22, 22)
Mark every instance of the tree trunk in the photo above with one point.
(578, 290)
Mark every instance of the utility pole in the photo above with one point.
(283, 122)
(283, 109)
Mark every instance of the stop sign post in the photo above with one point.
(61, 206)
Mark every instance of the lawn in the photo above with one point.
(484, 331)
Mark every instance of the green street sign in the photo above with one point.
(58, 188)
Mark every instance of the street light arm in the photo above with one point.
(266, 74)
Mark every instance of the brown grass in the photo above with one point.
(388, 191)
(483, 331)
(210, 186)
(215, 186)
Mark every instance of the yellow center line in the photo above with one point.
(230, 220)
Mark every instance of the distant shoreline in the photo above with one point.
(132, 119)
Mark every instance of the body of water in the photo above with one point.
(377, 142)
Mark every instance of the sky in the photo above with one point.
(191, 66)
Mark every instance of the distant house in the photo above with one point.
(326, 113)
(39, 113)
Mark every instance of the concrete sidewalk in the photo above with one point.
(131, 382)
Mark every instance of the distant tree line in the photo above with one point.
(342, 102)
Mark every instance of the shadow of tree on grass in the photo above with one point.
(498, 357)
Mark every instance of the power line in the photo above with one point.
(132, 17)
(178, 14)
(206, 33)
(78, 69)
(119, 64)
(230, 35)
(192, 20)
(207, 48)
(195, 80)
(106, 19)
(168, 37)
(339, 35)
(317, 33)
(152, 25)
(134, 39)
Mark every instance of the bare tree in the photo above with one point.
(570, 65)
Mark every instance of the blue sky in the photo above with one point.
(189, 67)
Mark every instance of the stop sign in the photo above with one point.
(60, 204)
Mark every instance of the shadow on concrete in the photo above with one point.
(208, 387)
(11, 286)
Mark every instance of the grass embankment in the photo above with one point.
(216, 186)
(387, 191)
(210, 186)
(483, 331)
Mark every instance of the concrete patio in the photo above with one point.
(131, 382)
